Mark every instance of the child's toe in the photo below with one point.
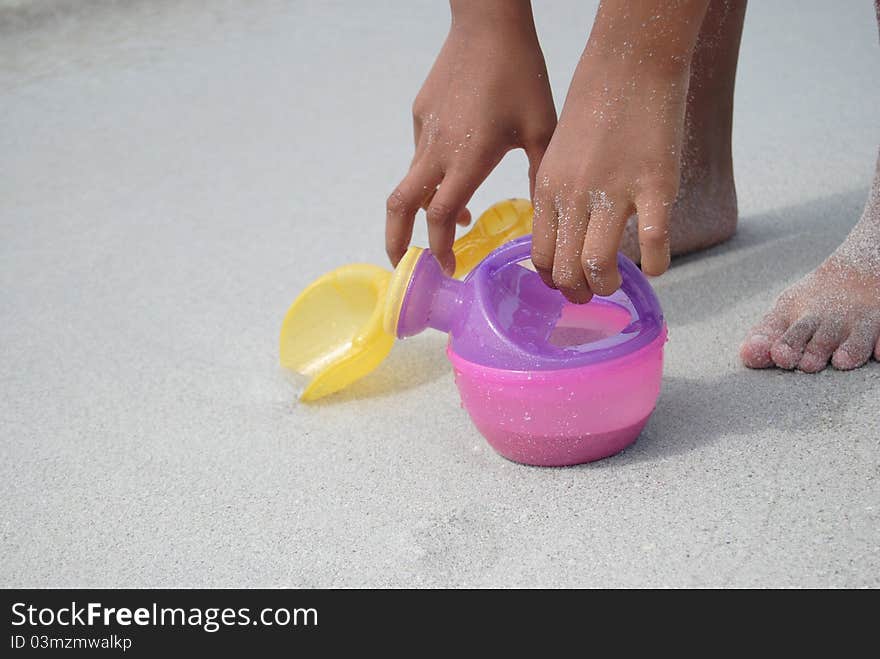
(818, 351)
(858, 346)
(755, 350)
(788, 350)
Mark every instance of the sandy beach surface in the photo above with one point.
(172, 174)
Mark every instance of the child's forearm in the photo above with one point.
(509, 16)
(657, 34)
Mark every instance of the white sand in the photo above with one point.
(172, 174)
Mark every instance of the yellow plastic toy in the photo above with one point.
(333, 332)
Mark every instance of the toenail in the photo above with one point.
(758, 338)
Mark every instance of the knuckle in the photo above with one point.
(440, 213)
(396, 202)
(597, 264)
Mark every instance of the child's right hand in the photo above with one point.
(487, 93)
(617, 149)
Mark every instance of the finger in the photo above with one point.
(402, 206)
(447, 205)
(429, 197)
(544, 226)
(653, 216)
(463, 219)
(602, 242)
(568, 273)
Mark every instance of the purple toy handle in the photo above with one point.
(502, 314)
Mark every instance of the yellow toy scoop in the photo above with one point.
(333, 331)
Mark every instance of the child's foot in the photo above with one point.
(705, 211)
(704, 215)
(831, 314)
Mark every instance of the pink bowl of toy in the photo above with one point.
(566, 416)
(545, 381)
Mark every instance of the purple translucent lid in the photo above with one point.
(503, 316)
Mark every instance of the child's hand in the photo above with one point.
(616, 150)
(487, 94)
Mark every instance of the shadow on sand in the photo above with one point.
(412, 363)
(768, 252)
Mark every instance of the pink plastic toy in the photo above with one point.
(545, 381)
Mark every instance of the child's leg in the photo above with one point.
(832, 313)
(705, 211)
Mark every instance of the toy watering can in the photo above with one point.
(547, 382)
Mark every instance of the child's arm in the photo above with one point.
(617, 147)
(486, 94)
